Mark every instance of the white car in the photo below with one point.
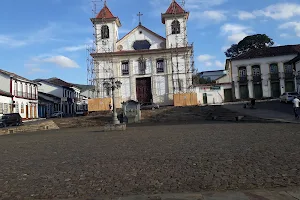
(288, 97)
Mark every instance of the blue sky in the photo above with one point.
(47, 38)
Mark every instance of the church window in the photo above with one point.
(141, 44)
(125, 67)
(142, 66)
(104, 32)
(107, 90)
(160, 66)
(175, 27)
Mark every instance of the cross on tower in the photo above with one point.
(140, 14)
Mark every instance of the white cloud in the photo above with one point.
(292, 25)
(214, 15)
(280, 11)
(219, 64)
(73, 48)
(284, 35)
(243, 15)
(235, 32)
(205, 58)
(61, 61)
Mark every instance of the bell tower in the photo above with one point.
(175, 20)
(106, 30)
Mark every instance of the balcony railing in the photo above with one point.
(289, 75)
(256, 79)
(243, 79)
(274, 76)
(142, 72)
(25, 94)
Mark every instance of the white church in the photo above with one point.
(151, 68)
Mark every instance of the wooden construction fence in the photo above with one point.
(185, 99)
(99, 104)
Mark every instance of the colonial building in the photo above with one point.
(150, 67)
(265, 73)
(58, 89)
(19, 95)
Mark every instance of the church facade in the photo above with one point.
(151, 68)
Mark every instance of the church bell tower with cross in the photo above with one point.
(106, 30)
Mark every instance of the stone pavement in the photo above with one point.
(263, 114)
(267, 194)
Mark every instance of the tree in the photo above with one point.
(257, 41)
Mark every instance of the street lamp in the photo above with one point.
(113, 85)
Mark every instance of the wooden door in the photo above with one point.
(257, 90)
(143, 90)
(26, 111)
(244, 92)
(227, 95)
(275, 89)
(289, 86)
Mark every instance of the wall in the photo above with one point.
(213, 96)
(51, 89)
(5, 102)
(32, 108)
(4, 83)
(128, 41)
(264, 64)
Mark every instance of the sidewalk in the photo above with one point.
(272, 194)
(264, 114)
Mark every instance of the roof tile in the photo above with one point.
(175, 8)
(105, 13)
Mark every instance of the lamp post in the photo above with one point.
(113, 85)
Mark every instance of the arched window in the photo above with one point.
(104, 32)
(175, 27)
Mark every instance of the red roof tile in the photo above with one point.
(175, 8)
(105, 13)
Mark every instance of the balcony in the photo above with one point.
(243, 79)
(142, 72)
(289, 75)
(25, 94)
(274, 76)
(256, 78)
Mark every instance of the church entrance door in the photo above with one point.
(143, 90)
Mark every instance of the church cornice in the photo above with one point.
(142, 52)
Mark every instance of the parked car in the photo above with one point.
(149, 106)
(57, 114)
(288, 97)
(12, 119)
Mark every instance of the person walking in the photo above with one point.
(296, 102)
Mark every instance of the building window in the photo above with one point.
(16, 88)
(104, 32)
(107, 91)
(17, 107)
(5, 108)
(288, 69)
(21, 90)
(256, 70)
(30, 91)
(242, 72)
(125, 68)
(160, 68)
(175, 27)
(273, 68)
(1, 108)
(142, 66)
(22, 107)
(26, 91)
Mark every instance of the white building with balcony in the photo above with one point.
(149, 66)
(23, 94)
(265, 73)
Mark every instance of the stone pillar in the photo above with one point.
(281, 76)
(132, 80)
(237, 90)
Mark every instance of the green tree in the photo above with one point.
(257, 41)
